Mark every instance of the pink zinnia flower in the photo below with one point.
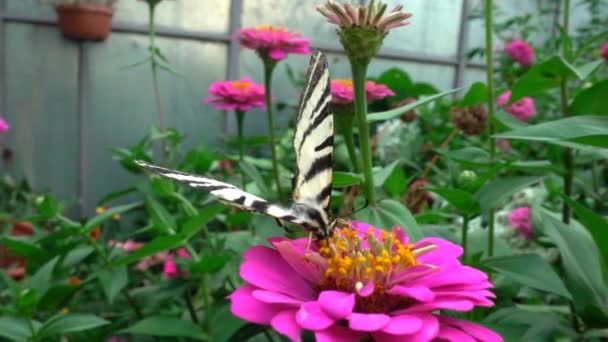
(361, 282)
(241, 95)
(605, 51)
(523, 109)
(170, 268)
(273, 42)
(342, 91)
(4, 126)
(521, 219)
(520, 51)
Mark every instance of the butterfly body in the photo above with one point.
(313, 146)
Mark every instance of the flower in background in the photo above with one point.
(362, 283)
(363, 27)
(342, 91)
(520, 51)
(4, 126)
(170, 268)
(523, 109)
(241, 95)
(471, 120)
(521, 219)
(503, 145)
(95, 233)
(74, 281)
(605, 52)
(417, 196)
(273, 42)
(408, 116)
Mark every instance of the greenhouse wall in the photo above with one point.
(70, 103)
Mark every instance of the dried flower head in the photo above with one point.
(417, 197)
(362, 283)
(407, 116)
(471, 120)
(363, 27)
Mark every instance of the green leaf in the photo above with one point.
(596, 225)
(576, 129)
(210, 264)
(41, 280)
(381, 175)
(161, 218)
(230, 324)
(253, 173)
(477, 94)
(469, 156)
(507, 120)
(195, 223)
(393, 113)
(76, 256)
(396, 183)
(390, 213)
(581, 262)
(15, 329)
(114, 195)
(49, 208)
(159, 244)
(70, 322)
(530, 270)
(494, 193)
(163, 187)
(113, 280)
(98, 220)
(167, 326)
(591, 101)
(463, 201)
(22, 248)
(398, 81)
(344, 179)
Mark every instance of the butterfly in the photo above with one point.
(313, 144)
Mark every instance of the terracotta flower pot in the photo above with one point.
(84, 21)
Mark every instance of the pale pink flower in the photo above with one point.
(503, 145)
(605, 51)
(342, 91)
(521, 219)
(4, 126)
(520, 51)
(370, 16)
(523, 109)
(273, 42)
(241, 95)
(362, 283)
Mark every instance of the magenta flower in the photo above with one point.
(360, 282)
(342, 91)
(605, 51)
(4, 126)
(521, 219)
(520, 51)
(241, 95)
(170, 268)
(273, 42)
(523, 109)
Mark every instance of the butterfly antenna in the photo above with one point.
(363, 207)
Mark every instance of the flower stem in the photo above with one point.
(465, 233)
(345, 125)
(490, 85)
(568, 154)
(435, 158)
(268, 69)
(240, 116)
(359, 71)
(154, 67)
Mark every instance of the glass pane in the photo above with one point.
(30, 8)
(122, 105)
(42, 109)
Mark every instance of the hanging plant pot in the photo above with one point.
(84, 21)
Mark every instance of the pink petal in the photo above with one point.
(337, 304)
(277, 54)
(337, 333)
(244, 306)
(417, 292)
(367, 289)
(429, 330)
(298, 261)
(403, 325)
(454, 335)
(311, 317)
(368, 322)
(477, 331)
(274, 297)
(285, 323)
(264, 268)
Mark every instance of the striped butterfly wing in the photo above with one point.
(313, 140)
(228, 193)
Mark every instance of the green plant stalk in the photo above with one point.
(464, 238)
(268, 69)
(346, 128)
(154, 67)
(490, 84)
(240, 118)
(359, 71)
(568, 153)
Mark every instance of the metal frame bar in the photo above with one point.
(3, 104)
(463, 44)
(83, 115)
(234, 53)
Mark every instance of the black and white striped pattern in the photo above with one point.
(313, 144)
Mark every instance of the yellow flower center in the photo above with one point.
(345, 82)
(271, 28)
(353, 263)
(240, 85)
